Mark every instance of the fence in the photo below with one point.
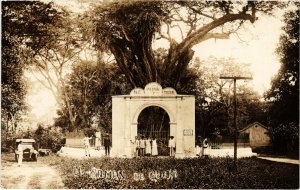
(162, 138)
(225, 141)
(161, 135)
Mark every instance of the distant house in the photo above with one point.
(258, 134)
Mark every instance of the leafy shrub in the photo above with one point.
(6, 141)
(50, 138)
(285, 138)
(191, 173)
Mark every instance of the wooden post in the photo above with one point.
(235, 78)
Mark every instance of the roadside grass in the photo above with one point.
(170, 173)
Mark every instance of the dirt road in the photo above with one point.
(31, 175)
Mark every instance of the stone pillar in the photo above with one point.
(126, 146)
(133, 130)
(173, 127)
(179, 142)
(118, 122)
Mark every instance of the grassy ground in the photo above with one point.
(174, 173)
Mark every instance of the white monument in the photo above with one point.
(127, 108)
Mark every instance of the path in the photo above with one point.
(284, 160)
(31, 175)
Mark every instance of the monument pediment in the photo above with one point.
(153, 89)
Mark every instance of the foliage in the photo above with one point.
(191, 173)
(48, 137)
(128, 30)
(155, 118)
(285, 138)
(284, 93)
(8, 138)
(52, 63)
(46, 43)
(7, 141)
(89, 87)
(25, 32)
(90, 132)
(215, 103)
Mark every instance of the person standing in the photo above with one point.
(98, 140)
(86, 142)
(172, 145)
(138, 142)
(134, 148)
(142, 146)
(154, 148)
(204, 147)
(198, 146)
(148, 147)
(107, 144)
(20, 151)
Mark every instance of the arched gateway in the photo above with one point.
(127, 108)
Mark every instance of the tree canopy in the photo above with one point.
(89, 87)
(25, 25)
(283, 96)
(284, 92)
(128, 30)
(214, 99)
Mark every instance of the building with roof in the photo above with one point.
(258, 134)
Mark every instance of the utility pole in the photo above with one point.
(235, 78)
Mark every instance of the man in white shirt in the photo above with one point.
(142, 146)
(172, 145)
(86, 142)
(20, 151)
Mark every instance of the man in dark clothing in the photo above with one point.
(107, 144)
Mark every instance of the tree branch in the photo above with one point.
(198, 36)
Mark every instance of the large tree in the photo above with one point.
(51, 64)
(25, 26)
(50, 44)
(215, 103)
(89, 87)
(128, 29)
(284, 93)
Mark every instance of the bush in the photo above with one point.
(185, 173)
(50, 138)
(263, 150)
(285, 138)
(7, 141)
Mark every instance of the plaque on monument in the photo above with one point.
(137, 92)
(153, 89)
(169, 91)
(188, 132)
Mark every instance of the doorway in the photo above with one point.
(154, 122)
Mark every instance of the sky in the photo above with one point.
(256, 47)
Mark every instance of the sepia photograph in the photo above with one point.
(149, 94)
